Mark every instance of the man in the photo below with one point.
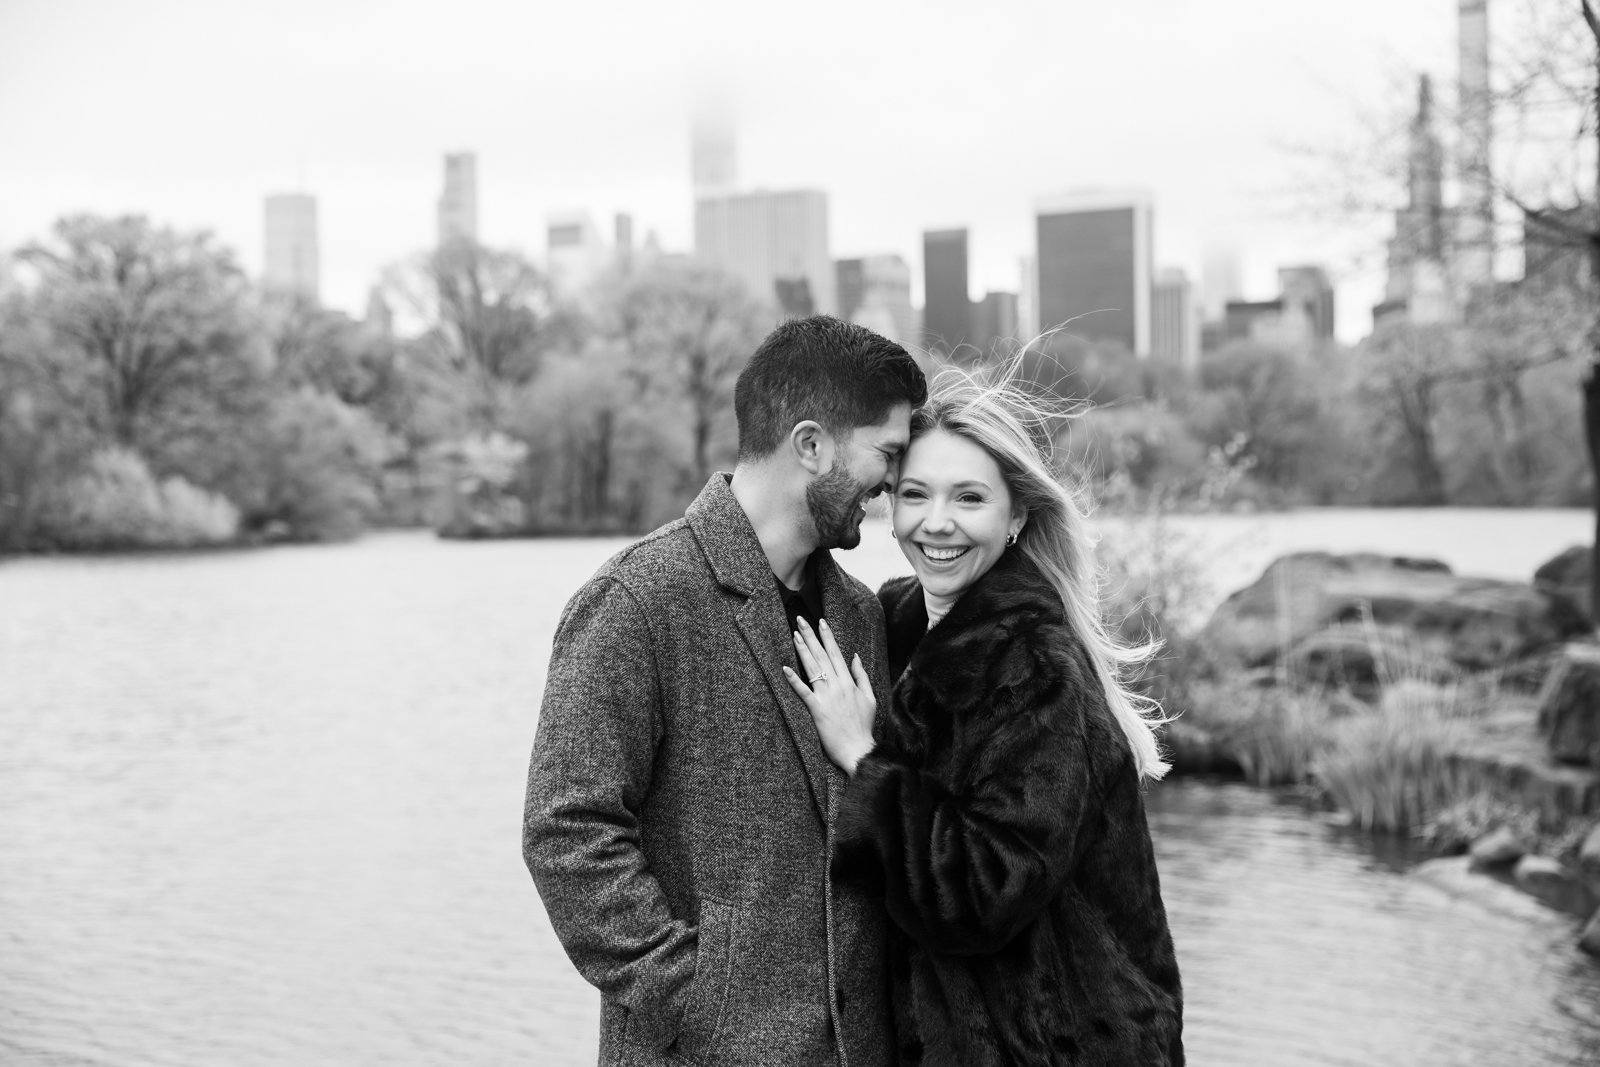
(679, 812)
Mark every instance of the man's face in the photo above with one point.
(863, 462)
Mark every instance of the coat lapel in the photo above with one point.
(736, 558)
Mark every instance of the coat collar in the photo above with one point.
(1012, 591)
(736, 558)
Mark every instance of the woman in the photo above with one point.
(998, 811)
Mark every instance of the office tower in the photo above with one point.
(291, 260)
(764, 238)
(1174, 321)
(1027, 298)
(1418, 286)
(713, 149)
(1473, 259)
(946, 307)
(1551, 259)
(379, 319)
(575, 254)
(875, 292)
(1307, 292)
(622, 231)
(1094, 253)
(994, 321)
(458, 204)
(1221, 280)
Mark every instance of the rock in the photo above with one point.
(1498, 848)
(1589, 940)
(1475, 623)
(1348, 657)
(1546, 878)
(1589, 854)
(1569, 706)
(1568, 576)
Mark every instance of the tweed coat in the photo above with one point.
(1001, 820)
(679, 809)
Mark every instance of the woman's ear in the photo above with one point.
(1019, 519)
(811, 445)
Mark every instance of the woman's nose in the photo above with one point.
(937, 519)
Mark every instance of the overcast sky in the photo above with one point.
(912, 115)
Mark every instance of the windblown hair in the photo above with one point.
(833, 372)
(998, 414)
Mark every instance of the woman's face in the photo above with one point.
(952, 512)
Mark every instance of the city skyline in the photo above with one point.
(370, 153)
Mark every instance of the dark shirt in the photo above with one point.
(805, 602)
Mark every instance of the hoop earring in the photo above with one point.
(892, 534)
(1011, 539)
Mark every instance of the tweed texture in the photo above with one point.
(1001, 821)
(677, 823)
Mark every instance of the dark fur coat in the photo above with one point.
(1000, 818)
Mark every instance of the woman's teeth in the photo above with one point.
(944, 555)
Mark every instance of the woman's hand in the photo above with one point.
(838, 695)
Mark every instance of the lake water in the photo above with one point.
(264, 808)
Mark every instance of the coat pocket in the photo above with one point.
(713, 971)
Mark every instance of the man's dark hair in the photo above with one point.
(834, 372)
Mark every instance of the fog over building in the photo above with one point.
(776, 243)
(1094, 252)
(713, 149)
(291, 262)
(946, 307)
(458, 203)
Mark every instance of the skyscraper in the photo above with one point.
(458, 204)
(1174, 321)
(1094, 252)
(768, 238)
(1307, 292)
(576, 254)
(946, 308)
(994, 321)
(875, 291)
(1473, 264)
(291, 260)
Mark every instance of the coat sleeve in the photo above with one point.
(964, 866)
(599, 726)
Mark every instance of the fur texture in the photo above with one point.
(1000, 818)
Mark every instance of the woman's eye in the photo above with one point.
(970, 498)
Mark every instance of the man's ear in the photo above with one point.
(812, 446)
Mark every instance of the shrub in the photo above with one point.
(1274, 734)
(117, 503)
(1391, 767)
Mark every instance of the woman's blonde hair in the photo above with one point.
(994, 411)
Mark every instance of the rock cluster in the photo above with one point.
(1368, 623)
(1358, 620)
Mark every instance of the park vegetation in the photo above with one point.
(151, 397)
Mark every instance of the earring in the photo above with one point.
(1011, 539)
(893, 534)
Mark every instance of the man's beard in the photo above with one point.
(834, 500)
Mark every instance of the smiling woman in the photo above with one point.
(995, 805)
(953, 515)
